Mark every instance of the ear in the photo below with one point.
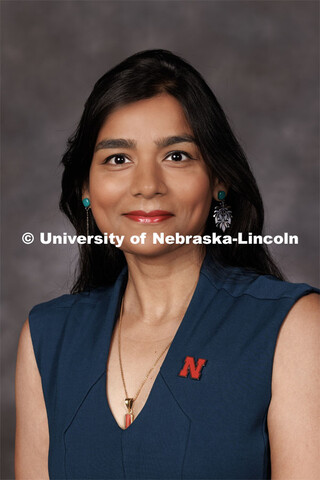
(85, 191)
(218, 186)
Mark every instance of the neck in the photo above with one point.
(159, 289)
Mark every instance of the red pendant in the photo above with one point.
(129, 416)
(129, 419)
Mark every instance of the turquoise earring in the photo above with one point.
(86, 204)
(222, 213)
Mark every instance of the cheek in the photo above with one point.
(197, 193)
(198, 199)
(105, 198)
(104, 191)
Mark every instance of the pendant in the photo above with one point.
(129, 416)
(222, 216)
(129, 419)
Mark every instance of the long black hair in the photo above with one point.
(140, 76)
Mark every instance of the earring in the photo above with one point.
(86, 204)
(222, 213)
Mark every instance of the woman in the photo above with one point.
(161, 361)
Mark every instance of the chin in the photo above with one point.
(149, 250)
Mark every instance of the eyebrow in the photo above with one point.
(128, 143)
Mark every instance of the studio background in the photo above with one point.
(261, 58)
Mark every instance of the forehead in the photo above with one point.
(153, 117)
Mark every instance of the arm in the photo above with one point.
(294, 411)
(32, 434)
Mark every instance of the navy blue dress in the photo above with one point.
(213, 427)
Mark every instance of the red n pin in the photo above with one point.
(190, 367)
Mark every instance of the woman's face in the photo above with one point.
(145, 160)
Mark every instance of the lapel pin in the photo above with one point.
(193, 368)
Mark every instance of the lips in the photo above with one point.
(155, 216)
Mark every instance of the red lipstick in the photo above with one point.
(155, 216)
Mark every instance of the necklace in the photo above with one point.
(129, 401)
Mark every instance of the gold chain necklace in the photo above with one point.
(129, 401)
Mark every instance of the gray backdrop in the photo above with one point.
(261, 60)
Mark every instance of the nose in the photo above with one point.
(147, 180)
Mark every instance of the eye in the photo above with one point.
(118, 159)
(178, 156)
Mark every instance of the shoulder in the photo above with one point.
(304, 313)
(52, 313)
(62, 317)
(298, 340)
(25, 350)
(294, 408)
(59, 307)
(31, 451)
(27, 372)
(68, 300)
(239, 282)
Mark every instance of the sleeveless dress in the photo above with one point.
(202, 420)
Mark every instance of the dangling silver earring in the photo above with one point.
(86, 204)
(222, 213)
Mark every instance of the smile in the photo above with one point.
(155, 216)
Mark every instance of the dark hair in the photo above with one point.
(140, 76)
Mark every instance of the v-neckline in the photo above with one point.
(113, 312)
